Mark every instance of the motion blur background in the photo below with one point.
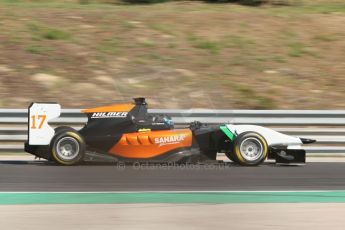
(274, 54)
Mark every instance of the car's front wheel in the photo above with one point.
(250, 149)
(67, 147)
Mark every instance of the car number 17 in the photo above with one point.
(37, 119)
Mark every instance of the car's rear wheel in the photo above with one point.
(67, 146)
(250, 149)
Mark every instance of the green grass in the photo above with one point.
(311, 7)
(128, 26)
(324, 8)
(148, 43)
(296, 49)
(279, 59)
(326, 37)
(238, 41)
(39, 49)
(163, 28)
(54, 4)
(41, 31)
(269, 58)
(245, 90)
(259, 101)
(151, 56)
(56, 34)
(299, 49)
(213, 47)
(265, 102)
(110, 46)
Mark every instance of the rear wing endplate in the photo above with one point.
(39, 114)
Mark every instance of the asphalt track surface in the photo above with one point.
(40, 176)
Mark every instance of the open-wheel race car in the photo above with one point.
(127, 132)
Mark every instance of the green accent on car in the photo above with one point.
(227, 132)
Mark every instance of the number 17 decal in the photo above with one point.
(40, 119)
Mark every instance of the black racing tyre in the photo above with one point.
(250, 149)
(63, 128)
(67, 146)
(45, 149)
(231, 156)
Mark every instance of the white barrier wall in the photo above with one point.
(326, 126)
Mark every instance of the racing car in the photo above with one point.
(127, 132)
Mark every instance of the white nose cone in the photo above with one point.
(272, 137)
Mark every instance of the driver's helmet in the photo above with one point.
(168, 121)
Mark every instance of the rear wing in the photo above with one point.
(39, 114)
